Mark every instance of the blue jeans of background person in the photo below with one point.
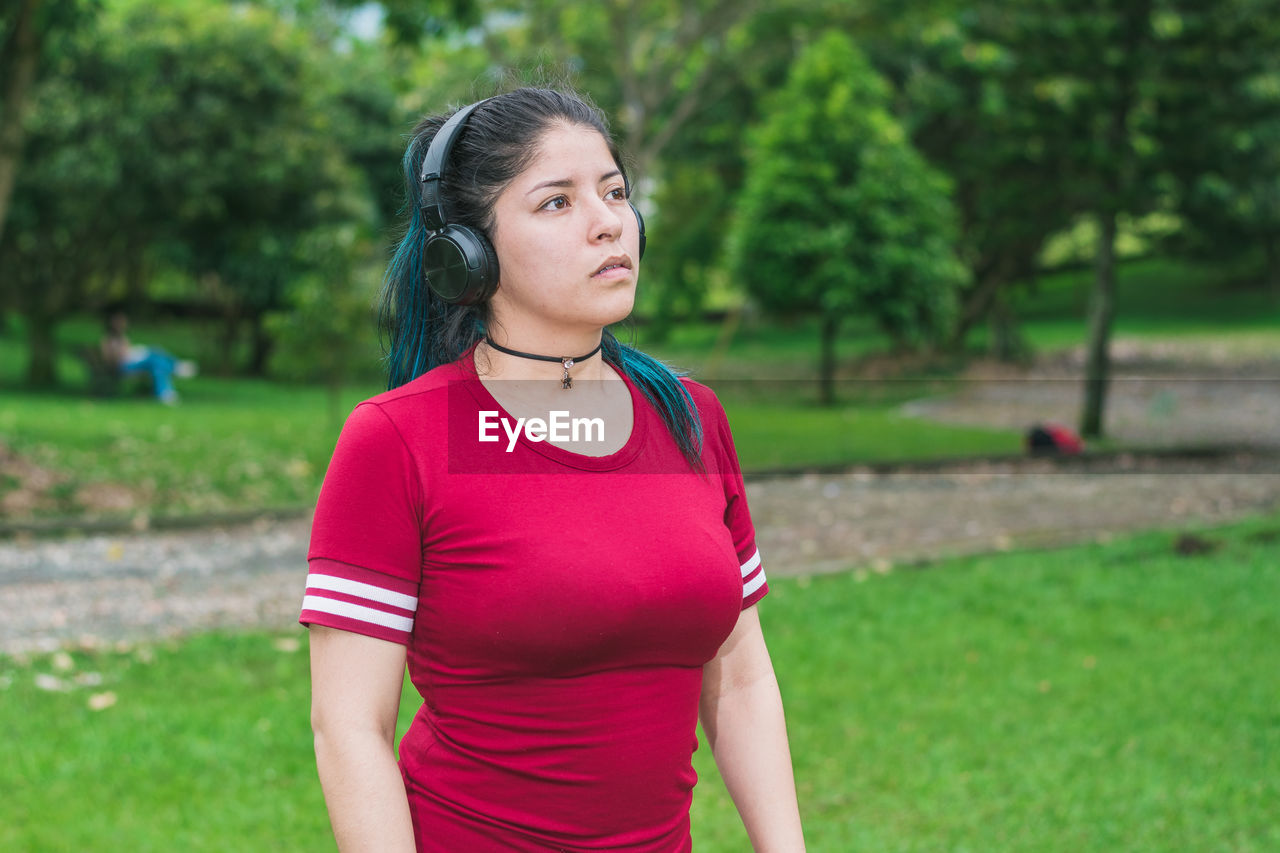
(159, 364)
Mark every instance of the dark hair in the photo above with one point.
(498, 142)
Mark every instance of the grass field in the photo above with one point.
(1108, 697)
(237, 444)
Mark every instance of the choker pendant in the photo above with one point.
(566, 361)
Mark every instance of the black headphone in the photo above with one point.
(460, 264)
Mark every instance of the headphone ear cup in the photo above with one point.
(460, 264)
(639, 222)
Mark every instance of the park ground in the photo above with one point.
(978, 650)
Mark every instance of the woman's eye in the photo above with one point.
(618, 194)
(557, 203)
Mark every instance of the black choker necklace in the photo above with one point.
(565, 361)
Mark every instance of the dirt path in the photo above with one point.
(103, 589)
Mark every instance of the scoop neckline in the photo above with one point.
(639, 425)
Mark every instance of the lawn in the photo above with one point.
(1105, 697)
(239, 444)
(242, 444)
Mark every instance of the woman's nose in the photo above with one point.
(606, 223)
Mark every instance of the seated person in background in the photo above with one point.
(134, 358)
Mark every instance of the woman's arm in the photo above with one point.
(741, 713)
(355, 699)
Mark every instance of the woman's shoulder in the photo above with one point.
(416, 401)
(708, 404)
(429, 384)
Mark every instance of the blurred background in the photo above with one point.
(894, 238)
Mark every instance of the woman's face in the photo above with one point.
(567, 241)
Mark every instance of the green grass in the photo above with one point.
(229, 445)
(245, 444)
(1106, 697)
(780, 436)
(1111, 697)
(1156, 299)
(241, 444)
(237, 444)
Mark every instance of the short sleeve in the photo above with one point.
(365, 559)
(737, 516)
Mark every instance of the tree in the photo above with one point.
(975, 113)
(26, 31)
(652, 66)
(196, 136)
(1218, 125)
(329, 314)
(670, 77)
(840, 213)
(1096, 69)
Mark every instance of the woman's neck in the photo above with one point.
(493, 363)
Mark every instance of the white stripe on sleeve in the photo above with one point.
(335, 607)
(363, 590)
(753, 584)
(749, 566)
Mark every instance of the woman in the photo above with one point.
(569, 603)
(127, 358)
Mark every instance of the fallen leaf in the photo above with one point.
(1189, 544)
(52, 683)
(102, 701)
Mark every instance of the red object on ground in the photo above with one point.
(1049, 439)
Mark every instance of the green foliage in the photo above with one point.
(246, 160)
(196, 137)
(1220, 127)
(678, 81)
(972, 109)
(325, 332)
(839, 212)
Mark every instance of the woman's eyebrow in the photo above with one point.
(568, 182)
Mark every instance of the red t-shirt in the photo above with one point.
(557, 609)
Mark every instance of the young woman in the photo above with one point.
(569, 602)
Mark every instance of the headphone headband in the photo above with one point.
(437, 155)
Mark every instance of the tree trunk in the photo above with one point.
(827, 367)
(977, 304)
(42, 351)
(728, 328)
(1273, 267)
(1006, 340)
(1117, 184)
(14, 103)
(1097, 368)
(261, 346)
(229, 335)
